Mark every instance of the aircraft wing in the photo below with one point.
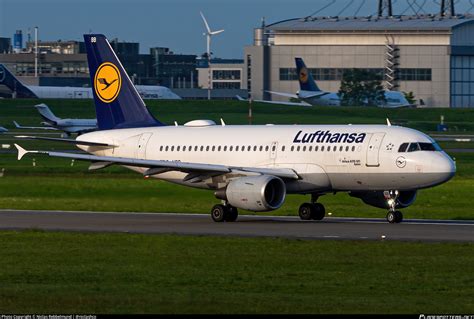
(195, 170)
(3, 130)
(34, 127)
(302, 103)
(63, 140)
(284, 94)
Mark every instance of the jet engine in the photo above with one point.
(377, 198)
(256, 193)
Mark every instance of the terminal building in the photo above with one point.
(430, 55)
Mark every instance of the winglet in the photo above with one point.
(16, 124)
(21, 151)
(222, 122)
(388, 122)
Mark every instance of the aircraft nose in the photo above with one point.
(445, 168)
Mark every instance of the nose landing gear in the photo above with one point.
(393, 216)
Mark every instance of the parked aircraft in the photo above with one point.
(31, 91)
(311, 94)
(52, 122)
(254, 167)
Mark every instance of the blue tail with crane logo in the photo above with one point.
(305, 77)
(117, 102)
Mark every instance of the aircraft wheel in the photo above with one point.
(219, 213)
(394, 217)
(318, 211)
(232, 214)
(306, 211)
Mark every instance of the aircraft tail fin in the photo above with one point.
(11, 82)
(305, 77)
(46, 113)
(117, 102)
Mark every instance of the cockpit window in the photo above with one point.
(413, 147)
(403, 148)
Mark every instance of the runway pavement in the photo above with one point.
(246, 226)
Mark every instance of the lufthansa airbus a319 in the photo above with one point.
(255, 167)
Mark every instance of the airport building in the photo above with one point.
(432, 56)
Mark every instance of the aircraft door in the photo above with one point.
(142, 144)
(373, 149)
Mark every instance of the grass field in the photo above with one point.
(50, 272)
(55, 184)
(55, 272)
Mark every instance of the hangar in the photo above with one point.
(430, 55)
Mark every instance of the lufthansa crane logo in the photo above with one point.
(303, 75)
(107, 82)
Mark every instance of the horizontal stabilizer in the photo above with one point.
(63, 140)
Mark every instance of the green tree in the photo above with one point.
(361, 87)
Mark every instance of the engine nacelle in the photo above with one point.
(377, 198)
(256, 193)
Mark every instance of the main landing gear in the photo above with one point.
(313, 210)
(393, 216)
(221, 213)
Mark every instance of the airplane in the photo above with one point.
(31, 91)
(311, 94)
(254, 167)
(52, 122)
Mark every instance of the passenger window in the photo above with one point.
(161, 148)
(341, 148)
(166, 148)
(334, 148)
(249, 148)
(237, 148)
(403, 148)
(267, 148)
(225, 148)
(195, 148)
(283, 148)
(316, 148)
(292, 148)
(207, 148)
(213, 148)
(413, 147)
(255, 148)
(230, 148)
(298, 148)
(202, 148)
(219, 148)
(353, 148)
(347, 148)
(310, 149)
(178, 148)
(172, 148)
(184, 148)
(322, 148)
(304, 148)
(273, 148)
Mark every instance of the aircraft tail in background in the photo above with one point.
(11, 82)
(305, 77)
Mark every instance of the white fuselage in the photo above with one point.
(145, 91)
(360, 157)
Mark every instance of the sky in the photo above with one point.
(177, 24)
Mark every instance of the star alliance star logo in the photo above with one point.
(2, 74)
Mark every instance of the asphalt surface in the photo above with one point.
(246, 226)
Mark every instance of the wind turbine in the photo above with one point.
(209, 35)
